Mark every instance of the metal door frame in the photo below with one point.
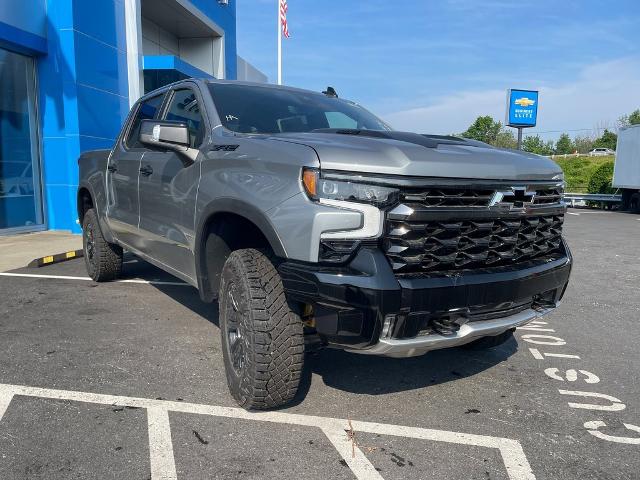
(36, 152)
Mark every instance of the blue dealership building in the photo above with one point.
(69, 72)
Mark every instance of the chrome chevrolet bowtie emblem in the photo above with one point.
(515, 198)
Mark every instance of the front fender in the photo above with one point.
(236, 207)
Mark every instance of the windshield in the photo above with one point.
(255, 109)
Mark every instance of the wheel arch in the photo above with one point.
(85, 201)
(90, 196)
(226, 225)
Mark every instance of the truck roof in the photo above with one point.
(228, 82)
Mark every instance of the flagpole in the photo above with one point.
(279, 47)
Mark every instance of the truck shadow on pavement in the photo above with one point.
(374, 375)
(367, 374)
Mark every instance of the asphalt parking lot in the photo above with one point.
(126, 380)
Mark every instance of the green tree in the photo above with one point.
(607, 140)
(535, 144)
(564, 145)
(623, 122)
(632, 119)
(484, 129)
(600, 181)
(583, 144)
(506, 139)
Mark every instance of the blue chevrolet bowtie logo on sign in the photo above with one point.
(522, 108)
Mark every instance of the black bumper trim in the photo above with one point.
(353, 301)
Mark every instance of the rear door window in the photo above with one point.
(147, 110)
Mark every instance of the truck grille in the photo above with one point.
(450, 197)
(450, 229)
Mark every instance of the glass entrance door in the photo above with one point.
(20, 195)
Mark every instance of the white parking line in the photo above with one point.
(163, 463)
(585, 211)
(67, 277)
(350, 453)
(5, 400)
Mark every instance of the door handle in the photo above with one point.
(112, 167)
(146, 170)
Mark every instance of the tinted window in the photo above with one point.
(184, 107)
(146, 111)
(340, 120)
(255, 109)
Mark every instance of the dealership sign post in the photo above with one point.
(522, 110)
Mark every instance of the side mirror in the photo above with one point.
(168, 135)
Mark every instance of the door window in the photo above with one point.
(146, 111)
(184, 107)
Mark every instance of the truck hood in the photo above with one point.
(400, 153)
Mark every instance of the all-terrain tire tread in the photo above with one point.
(107, 262)
(277, 354)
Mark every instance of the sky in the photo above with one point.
(433, 66)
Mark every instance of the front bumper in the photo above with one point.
(468, 332)
(364, 307)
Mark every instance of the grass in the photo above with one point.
(578, 171)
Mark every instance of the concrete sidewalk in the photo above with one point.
(16, 251)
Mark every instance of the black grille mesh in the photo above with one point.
(468, 197)
(434, 246)
(448, 197)
(548, 196)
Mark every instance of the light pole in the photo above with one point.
(519, 138)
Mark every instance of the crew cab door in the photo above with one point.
(123, 207)
(168, 187)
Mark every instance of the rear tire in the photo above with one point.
(490, 342)
(102, 259)
(262, 337)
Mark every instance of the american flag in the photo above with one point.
(283, 18)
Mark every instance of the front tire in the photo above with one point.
(262, 337)
(102, 259)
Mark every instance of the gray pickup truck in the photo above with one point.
(312, 222)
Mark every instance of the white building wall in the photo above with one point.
(249, 73)
(134, 49)
(204, 53)
(158, 41)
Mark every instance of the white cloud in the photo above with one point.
(598, 95)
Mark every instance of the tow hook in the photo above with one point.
(449, 323)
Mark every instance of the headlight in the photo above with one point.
(562, 185)
(317, 188)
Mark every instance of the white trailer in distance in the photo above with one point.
(626, 172)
